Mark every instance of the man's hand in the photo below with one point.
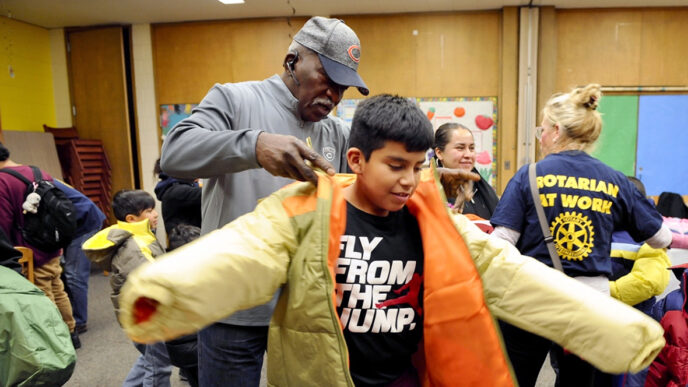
(286, 156)
(458, 183)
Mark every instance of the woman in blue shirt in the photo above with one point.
(584, 201)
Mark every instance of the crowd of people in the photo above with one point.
(360, 273)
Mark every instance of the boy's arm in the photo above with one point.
(236, 267)
(526, 293)
(648, 277)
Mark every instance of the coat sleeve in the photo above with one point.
(520, 290)
(648, 277)
(207, 144)
(236, 267)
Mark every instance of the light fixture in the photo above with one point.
(231, 1)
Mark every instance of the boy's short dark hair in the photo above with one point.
(182, 234)
(131, 202)
(4, 153)
(388, 117)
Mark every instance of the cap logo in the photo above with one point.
(354, 53)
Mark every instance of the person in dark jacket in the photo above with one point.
(77, 268)
(181, 214)
(180, 198)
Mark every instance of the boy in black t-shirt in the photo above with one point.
(379, 274)
(371, 264)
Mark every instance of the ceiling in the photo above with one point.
(72, 13)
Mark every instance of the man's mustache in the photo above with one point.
(323, 101)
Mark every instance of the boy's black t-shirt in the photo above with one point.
(379, 279)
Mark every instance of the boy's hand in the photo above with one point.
(286, 156)
(458, 183)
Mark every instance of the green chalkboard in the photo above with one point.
(617, 144)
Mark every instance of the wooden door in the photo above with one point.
(99, 95)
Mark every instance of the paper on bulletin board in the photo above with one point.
(171, 114)
(346, 109)
(479, 114)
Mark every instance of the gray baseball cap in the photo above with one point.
(338, 48)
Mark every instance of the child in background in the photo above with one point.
(374, 268)
(183, 351)
(120, 249)
(670, 368)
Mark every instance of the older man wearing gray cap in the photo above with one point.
(249, 139)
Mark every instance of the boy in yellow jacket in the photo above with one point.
(120, 249)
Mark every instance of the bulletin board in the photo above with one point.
(171, 114)
(617, 142)
(479, 114)
(662, 164)
(346, 109)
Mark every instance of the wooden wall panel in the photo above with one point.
(189, 58)
(629, 47)
(664, 45)
(451, 54)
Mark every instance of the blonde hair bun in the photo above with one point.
(587, 96)
(577, 116)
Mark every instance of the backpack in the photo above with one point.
(49, 216)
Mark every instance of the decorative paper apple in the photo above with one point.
(483, 158)
(483, 122)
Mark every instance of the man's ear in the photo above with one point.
(130, 218)
(355, 158)
(290, 59)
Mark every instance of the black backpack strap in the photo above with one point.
(37, 175)
(17, 175)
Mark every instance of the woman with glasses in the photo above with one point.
(584, 201)
(455, 148)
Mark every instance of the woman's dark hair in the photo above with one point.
(444, 132)
(4, 153)
(388, 117)
(131, 202)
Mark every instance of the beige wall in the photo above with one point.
(146, 111)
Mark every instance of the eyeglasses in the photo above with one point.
(538, 132)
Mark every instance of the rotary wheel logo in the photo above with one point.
(573, 235)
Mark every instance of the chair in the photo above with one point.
(26, 262)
